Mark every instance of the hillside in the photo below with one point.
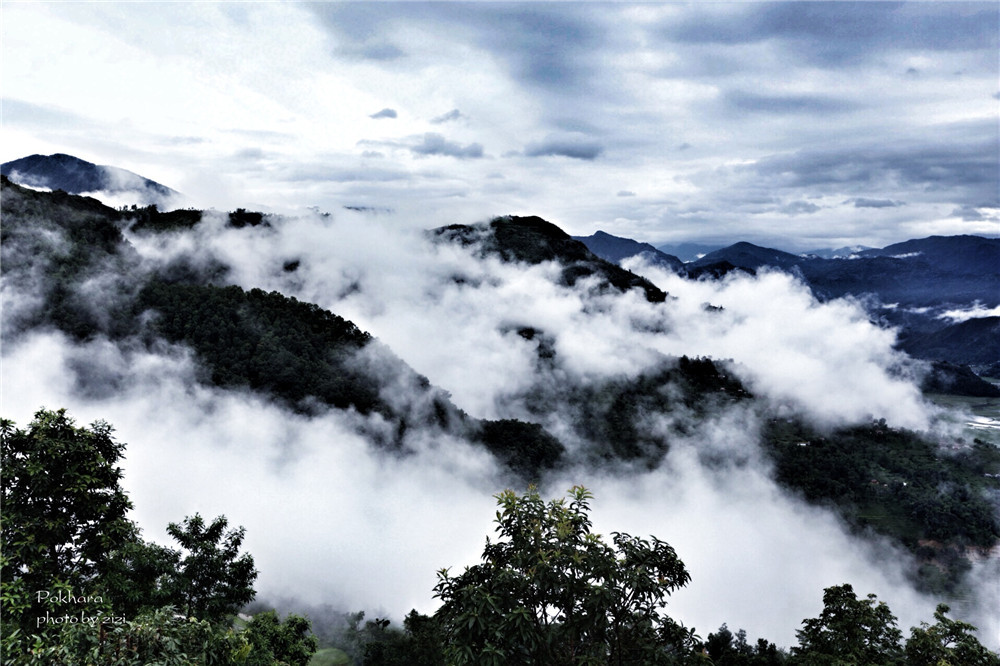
(532, 240)
(615, 248)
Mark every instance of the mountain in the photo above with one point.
(688, 252)
(532, 240)
(837, 253)
(963, 255)
(748, 256)
(77, 176)
(615, 249)
(972, 342)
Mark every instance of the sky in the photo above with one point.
(797, 125)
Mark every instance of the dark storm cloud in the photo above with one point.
(833, 34)
(572, 147)
(384, 113)
(971, 213)
(435, 144)
(794, 208)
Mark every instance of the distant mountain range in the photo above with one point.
(76, 176)
(910, 285)
(614, 249)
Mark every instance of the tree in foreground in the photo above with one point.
(79, 586)
(63, 513)
(213, 579)
(273, 641)
(947, 642)
(550, 592)
(849, 631)
(725, 648)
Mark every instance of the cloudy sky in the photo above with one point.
(800, 125)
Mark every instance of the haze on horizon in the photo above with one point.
(796, 125)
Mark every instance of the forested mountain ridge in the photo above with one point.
(533, 240)
(86, 270)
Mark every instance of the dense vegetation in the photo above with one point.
(264, 341)
(936, 502)
(532, 240)
(80, 586)
(550, 592)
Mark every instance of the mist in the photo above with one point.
(333, 520)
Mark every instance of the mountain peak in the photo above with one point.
(77, 176)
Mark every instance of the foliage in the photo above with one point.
(947, 642)
(551, 592)
(212, 580)
(242, 217)
(160, 637)
(64, 513)
(610, 412)
(289, 641)
(533, 240)
(893, 481)
(419, 643)
(149, 218)
(727, 649)
(75, 572)
(849, 631)
(526, 448)
(265, 341)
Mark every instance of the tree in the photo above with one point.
(160, 637)
(947, 642)
(551, 592)
(212, 580)
(64, 513)
(849, 631)
(728, 649)
(289, 641)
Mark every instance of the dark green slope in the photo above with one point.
(532, 240)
